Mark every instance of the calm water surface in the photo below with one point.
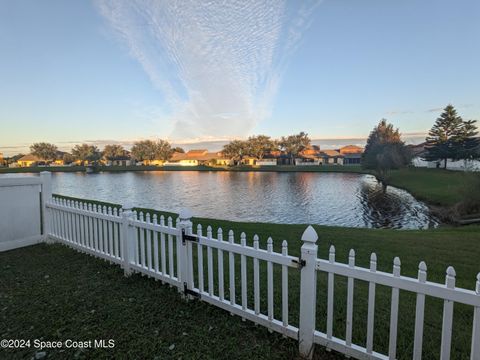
(353, 200)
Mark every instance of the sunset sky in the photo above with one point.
(119, 71)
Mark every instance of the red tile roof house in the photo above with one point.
(198, 157)
(309, 156)
(347, 155)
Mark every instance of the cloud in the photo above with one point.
(399, 112)
(218, 64)
(435, 109)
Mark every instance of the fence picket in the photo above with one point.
(210, 263)
(270, 281)
(221, 281)
(162, 248)
(116, 234)
(350, 289)
(142, 241)
(285, 286)
(243, 272)
(231, 262)
(95, 230)
(170, 251)
(201, 286)
(110, 233)
(419, 314)
(90, 226)
(447, 316)
(371, 305)
(256, 277)
(104, 229)
(148, 239)
(75, 222)
(64, 220)
(392, 344)
(156, 265)
(331, 284)
(80, 225)
(85, 224)
(69, 221)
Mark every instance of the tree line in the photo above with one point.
(141, 150)
(254, 146)
(261, 145)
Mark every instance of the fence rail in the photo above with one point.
(170, 251)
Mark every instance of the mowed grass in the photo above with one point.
(435, 186)
(86, 298)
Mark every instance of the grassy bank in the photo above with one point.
(61, 294)
(435, 186)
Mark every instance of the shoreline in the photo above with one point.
(278, 168)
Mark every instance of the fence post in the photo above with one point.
(46, 178)
(184, 225)
(308, 293)
(127, 215)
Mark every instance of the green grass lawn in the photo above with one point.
(435, 186)
(56, 293)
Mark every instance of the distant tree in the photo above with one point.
(235, 150)
(292, 145)
(86, 152)
(151, 150)
(178, 150)
(68, 158)
(385, 151)
(452, 138)
(163, 150)
(113, 152)
(13, 159)
(259, 146)
(144, 150)
(44, 151)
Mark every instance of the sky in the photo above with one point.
(200, 73)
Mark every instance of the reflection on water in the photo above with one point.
(315, 198)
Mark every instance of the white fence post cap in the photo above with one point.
(310, 235)
(185, 214)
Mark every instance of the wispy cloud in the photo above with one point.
(218, 64)
(399, 112)
(437, 109)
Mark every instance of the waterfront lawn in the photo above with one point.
(435, 186)
(60, 294)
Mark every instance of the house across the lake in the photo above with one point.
(198, 157)
(418, 153)
(33, 160)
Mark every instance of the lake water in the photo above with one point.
(353, 200)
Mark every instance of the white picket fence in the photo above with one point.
(175, 255)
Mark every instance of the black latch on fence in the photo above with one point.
(187, 291)
(186, 237)
(300, 263)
